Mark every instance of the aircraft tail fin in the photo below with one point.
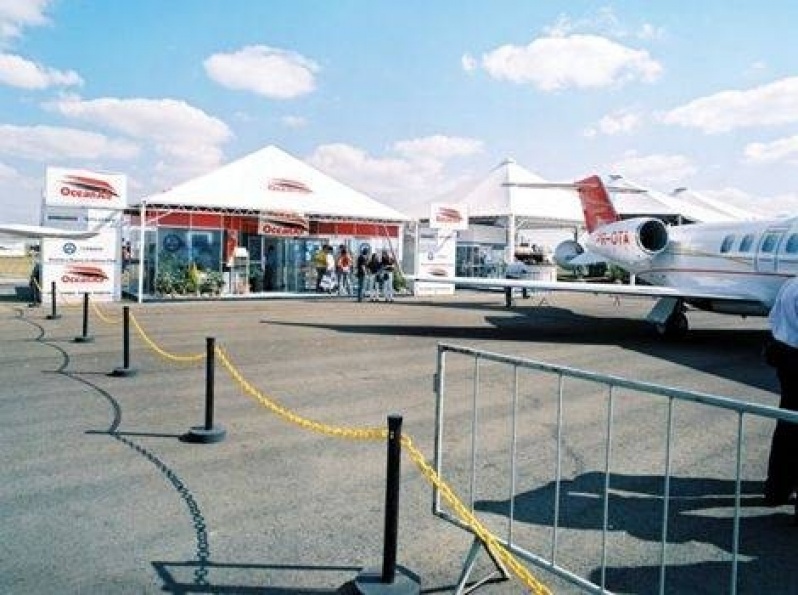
(596, 204)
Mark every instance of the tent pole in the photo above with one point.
(142, 248)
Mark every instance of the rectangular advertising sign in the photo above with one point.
(84, 188)
(82, 266)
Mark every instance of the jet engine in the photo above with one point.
(566, 251)
(631, 242)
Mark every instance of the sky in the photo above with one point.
(404, 101)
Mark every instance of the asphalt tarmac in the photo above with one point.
(100, 495)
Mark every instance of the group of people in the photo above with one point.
(337, 272)
(375, 275)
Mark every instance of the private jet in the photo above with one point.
(731, 267)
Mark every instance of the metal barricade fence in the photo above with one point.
(574, 493)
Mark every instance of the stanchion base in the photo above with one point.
(53, 316)
(201, 435)
(369, 582)
(120, 372)
(84, 339)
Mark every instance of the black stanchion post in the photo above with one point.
(125, 370)
(208, 433)
(392, 579)
(393, 476)
(85, 338)
(53, 315)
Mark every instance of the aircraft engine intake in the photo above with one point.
(631, 242)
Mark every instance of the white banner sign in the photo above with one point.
(436, 257)
(84, 188)
(82, 266)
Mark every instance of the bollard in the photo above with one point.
(53, 315)
(208, 433)
(125, 370)
(85, 338)
(393, 579)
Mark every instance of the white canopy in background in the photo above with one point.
(715, 210)
(496, 196)
(689, 206)
(272, 180)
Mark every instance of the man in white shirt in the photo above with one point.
(782, 353)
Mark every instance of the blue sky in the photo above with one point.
(403, 100)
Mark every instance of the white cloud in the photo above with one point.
(604, 22)
(49, 143)
(655, 169)
(438, 147)
(582, 61)
(271, 72)
(781, 150)
(16, 71)
(184, 139)
(619, 122)
(15, 15)
(768, 105)
(418, 173)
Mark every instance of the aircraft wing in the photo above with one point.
(654, 291)
(21, 230)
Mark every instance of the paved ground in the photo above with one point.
(98, 494)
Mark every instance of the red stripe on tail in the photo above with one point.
(596, 204)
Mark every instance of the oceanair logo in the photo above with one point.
(85, 187)
(279, 223)
(83, 274)
(448, 215)
(286, 185)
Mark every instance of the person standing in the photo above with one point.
(320, 263)
(343, 267)
(374, 269)
(387, 263)
(362, 273)
(35, 283)
(782, 353)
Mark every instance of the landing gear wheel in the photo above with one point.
(675, 327)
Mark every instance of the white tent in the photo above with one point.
(272, 180)
(498, 195)
(713, 210)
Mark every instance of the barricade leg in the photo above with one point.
(500, 574)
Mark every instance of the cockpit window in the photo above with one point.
(792, 244)
(727, 243)
(746, 242)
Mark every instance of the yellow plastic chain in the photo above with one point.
(102, 316)
(161, 352)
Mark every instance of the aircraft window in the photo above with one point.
(747, 241)
(769, 243)
(727, 243)
(792, 244)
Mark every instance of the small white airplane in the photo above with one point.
(729, 267)
(21, 230)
